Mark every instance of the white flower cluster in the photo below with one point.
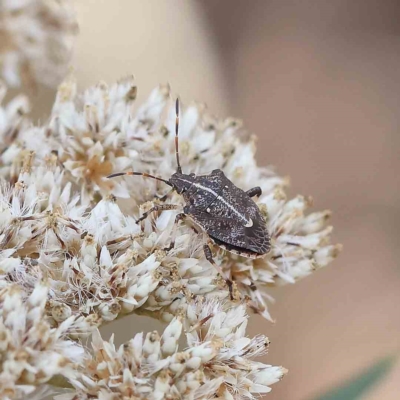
(217, 361)
(36, 38)
(63, 222)
(31, 350)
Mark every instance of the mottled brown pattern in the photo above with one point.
(225, 212)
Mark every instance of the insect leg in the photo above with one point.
(56, 158)
(158, 207)
(164, 197)
(209, 258)
(179, 217)
(255, 191)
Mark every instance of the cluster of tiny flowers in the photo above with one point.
(88, 242)
(63, 222)
(36, 39)
(31, 350)
(216, 363)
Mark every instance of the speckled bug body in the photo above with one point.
(226, 214)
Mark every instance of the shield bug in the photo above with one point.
(225, 214)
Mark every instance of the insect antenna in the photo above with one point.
(179, 169)
(146, 175)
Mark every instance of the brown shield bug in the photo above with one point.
(225, 214)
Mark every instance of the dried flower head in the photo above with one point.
(217, 361)
(103, 263)
(36, 39)
(62, 221)
(31, 350)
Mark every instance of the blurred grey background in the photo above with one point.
(318, 82)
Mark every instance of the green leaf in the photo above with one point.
(354, 388)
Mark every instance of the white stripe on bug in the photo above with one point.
(249, 222)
